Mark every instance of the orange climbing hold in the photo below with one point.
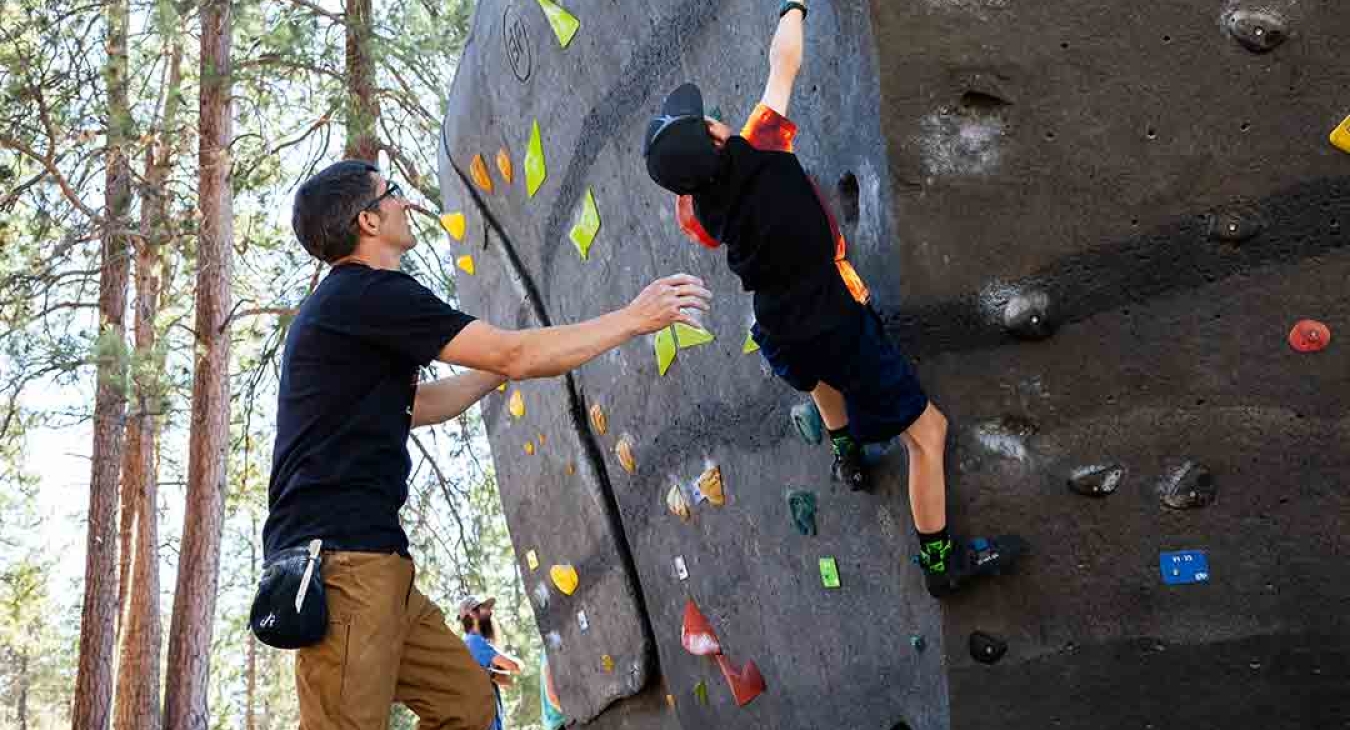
(504, 165)
(1309, 335)
(598, 420)
(624, 450)
(479, 172)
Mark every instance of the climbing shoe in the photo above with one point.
(848, 467)
(951, 564)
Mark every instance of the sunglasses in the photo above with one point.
(392, 191)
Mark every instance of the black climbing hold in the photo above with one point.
(1028, 316)
(1235, 225)
(1190, 486)
(1257, 30)
(1096, 480)
(987, 649)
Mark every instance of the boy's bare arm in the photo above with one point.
(785, 60)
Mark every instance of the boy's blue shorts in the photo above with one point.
(858, 359)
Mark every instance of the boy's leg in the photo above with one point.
(438, 679)
(346, 681)
(927, 442)
(830, 403)
(848, 465)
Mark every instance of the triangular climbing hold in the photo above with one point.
(750, 344)
(453, 223)
(691, 336)
(529, 448)
(517, 404)
(565, 578)
(1309, 335)
(535, 170)
(587, 225)
(564, 23)
(479, 172)
(746, 685)
(696, 634)
(676, 503)
(710, 484)
(665, 350)
(1341, 135)
(465, 262)
(504, 166)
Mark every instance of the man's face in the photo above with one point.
(719, 132)
(482, 619)
(391, 217)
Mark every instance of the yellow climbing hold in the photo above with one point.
(587, 225)
(598, 420)
(607, 662)
(465, 262)
(535, 170)
(564, 23)
(710, 483)
(529, 448)
(691, 336)
(517, 404)
(501, 388)
(1340, 136)
(624, 450)
(670, 700)
(665, 350)
(453, 223)
(750, 344)
(478, 171)
(532, 560)
(570, 468)
(565, 578)
(676, 503)
(504, 166)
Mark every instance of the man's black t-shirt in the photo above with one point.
(779, 241)
(348, 377)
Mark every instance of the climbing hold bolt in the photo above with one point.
(1235, 224)
(1190, 486)
(1028, 315)
(1309, 335)
(986, 649)
(1258, 31)
(1096, 480)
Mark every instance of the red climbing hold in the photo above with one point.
(746, 684)
(697, 633)
(1309, 335)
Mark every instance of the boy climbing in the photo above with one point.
(813, 319)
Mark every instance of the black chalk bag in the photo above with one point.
(290, 609)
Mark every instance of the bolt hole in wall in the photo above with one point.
(848, 197)
(1151, 133)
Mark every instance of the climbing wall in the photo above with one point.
(1094, 227)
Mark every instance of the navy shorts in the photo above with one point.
(858, 359)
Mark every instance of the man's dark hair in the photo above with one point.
(327, 204)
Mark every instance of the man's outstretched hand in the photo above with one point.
(665, 302)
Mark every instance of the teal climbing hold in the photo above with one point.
(806, 417)
(802, 506)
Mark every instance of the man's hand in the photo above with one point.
(664, 302)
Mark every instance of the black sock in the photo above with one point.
(841, 439)
(933, 549)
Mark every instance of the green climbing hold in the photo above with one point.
(587, 225)
(564, 23)
(829, 573)
(701, 692)
(665, 349)
(535, 171)
(688, 336)
(750, 344)
(806, 417)
(802, 506)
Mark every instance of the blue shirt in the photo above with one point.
(484, 653)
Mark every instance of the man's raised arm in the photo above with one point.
(785, 58)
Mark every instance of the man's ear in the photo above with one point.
(364, 224)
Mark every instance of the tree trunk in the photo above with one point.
(138, 677)
(93, 684)
(363, 106)
(250, 696)
(185, 706)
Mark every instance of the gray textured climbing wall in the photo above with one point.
(1153, 199)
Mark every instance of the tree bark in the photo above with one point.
(363, 105)
(185, 702)
(93, 684)
(138, 677)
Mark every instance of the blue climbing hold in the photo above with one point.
(1184, 567)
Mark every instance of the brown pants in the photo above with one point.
(387, 643)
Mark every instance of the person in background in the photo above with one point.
(550, 711)
(480, 636)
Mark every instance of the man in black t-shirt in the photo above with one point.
(813, 321)
(348, 396)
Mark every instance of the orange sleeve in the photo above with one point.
(684, 215)
(768, 130)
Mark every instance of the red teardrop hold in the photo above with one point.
(746, 684)
(697, 634)
(1309, 335)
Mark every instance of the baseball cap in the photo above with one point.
(471, 602)
(680, 155)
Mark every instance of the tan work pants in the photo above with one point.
(387, 643)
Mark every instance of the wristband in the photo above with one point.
(790, 5)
